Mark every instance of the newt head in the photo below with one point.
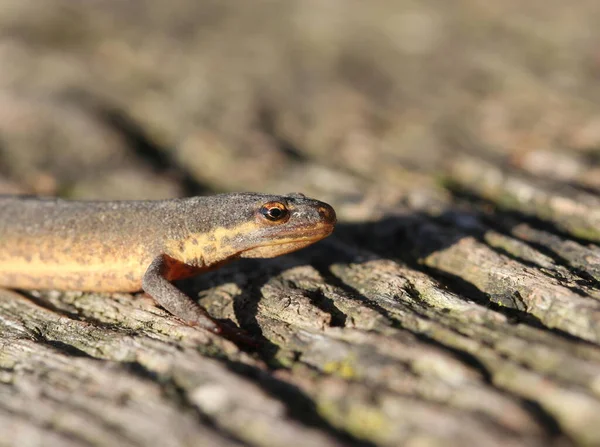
(250, 225)
(287, 224)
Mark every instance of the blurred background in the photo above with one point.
(358, 103)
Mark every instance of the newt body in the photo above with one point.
(127, 246)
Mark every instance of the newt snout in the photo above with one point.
(327, 213)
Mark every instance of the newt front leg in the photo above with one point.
(174, 300)
(155, 283)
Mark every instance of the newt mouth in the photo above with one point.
(283, 246)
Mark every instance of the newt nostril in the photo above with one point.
(327, 213)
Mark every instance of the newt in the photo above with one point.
(128, 246)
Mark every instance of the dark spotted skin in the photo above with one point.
(125, 246)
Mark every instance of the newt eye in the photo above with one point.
(274, 211)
